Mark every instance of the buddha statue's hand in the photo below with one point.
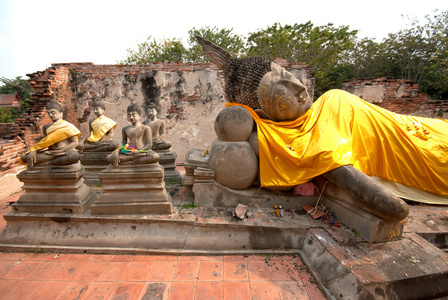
(105, 138)
(81, 147)
(116, 158)
(31, 158)
(56, 152)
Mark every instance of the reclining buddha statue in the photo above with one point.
(340, 136)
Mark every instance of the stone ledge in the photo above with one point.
(351, 269)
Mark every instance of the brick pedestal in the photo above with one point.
(168, 161)
(93, 162)
(54, 189)
(133, 189)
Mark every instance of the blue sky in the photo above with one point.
(36, 33)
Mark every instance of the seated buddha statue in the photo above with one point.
(101, 132)
(136, 141)
(58, 145)
(158, 130)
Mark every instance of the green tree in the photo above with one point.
(224, 38)
(435, 83)
(19, 85)
(368, 59)
(418, 53)
(8, 114)
(10, 86)
(152, 50)
(321, 47)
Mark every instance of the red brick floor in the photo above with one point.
(93, 276)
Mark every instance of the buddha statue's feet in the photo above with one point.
(141, 158)
(108, 146)
(165, 145)
(54, 159)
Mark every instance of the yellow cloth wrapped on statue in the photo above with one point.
(342, 129)
(100, 126)
(55, 133)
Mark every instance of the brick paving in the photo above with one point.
(101, 276)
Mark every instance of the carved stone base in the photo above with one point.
(192, 162)
(93, 162)
(214, 194)
(133, 189)
(54, 189)
(168, 161)
(372, 228)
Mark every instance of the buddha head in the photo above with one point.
(134, 112)
(269, 89)
(98, 107)
(54, 110)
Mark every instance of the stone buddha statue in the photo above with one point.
(136, 141)
(101, 132)
(58, 146)
(158, 129)
(297, 140)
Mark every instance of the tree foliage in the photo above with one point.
(152, 50)
(321, 47)
(19, 85)
(8, 114)
(418, 53)
(334, 54)
(10, 86)
(224, 38)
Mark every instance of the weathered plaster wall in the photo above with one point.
(187, 101)
(398, 95)
(188, 97)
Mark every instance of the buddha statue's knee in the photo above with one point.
(113, 145)
(164, 145)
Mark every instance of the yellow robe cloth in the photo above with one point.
(342, 129)
(100, 126)
(56, 132)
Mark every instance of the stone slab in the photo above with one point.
(372, 228)
(216, 195)
(181, 232)
(411, 268)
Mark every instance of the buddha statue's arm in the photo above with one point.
(81, 145)
(147, 139)
(108, 136)
(162, 132)
(124, 136)
(31, 158)
(72, 144)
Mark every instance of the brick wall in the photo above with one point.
(10, 151)
(398, 95)
(9, 156)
